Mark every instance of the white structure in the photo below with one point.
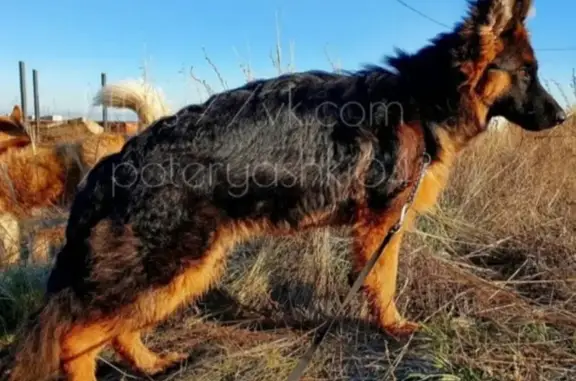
(52, 118)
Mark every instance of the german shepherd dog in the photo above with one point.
(153, 224)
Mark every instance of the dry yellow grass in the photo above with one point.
(492, 273)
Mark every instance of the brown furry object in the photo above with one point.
(34, 178)
(48, 175)
(13, 131)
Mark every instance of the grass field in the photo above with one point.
(491, 274)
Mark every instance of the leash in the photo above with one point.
(298, 371)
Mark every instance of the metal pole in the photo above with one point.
(23, 90)
(104, 108)
(36, 98)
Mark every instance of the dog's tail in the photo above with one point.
(37, 352)
(142, 98)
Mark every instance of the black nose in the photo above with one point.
(560, 117)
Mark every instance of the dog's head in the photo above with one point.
(500, 66)
(12, 130)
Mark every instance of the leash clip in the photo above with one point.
(403, 214)
(427, 159)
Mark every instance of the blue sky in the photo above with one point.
(70, 42)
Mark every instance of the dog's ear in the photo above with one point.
(497, 16)
(482, 33)
(493, 17)
(523, 10)
(17, 114)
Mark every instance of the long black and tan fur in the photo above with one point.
(154, 223)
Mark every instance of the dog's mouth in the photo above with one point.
(530, 123)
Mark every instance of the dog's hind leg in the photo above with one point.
(82, 343)
(380, 284)
(82, 367)
(157, 304)
(80, 347)
(130, 347)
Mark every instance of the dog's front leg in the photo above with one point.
(380, 284)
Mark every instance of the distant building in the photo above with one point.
(47, 118)
(52, 118)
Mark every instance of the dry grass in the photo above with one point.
(491, 274)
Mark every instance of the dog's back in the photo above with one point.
(235, 160)
(287, 133)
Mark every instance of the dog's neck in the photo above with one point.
(434, 87)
